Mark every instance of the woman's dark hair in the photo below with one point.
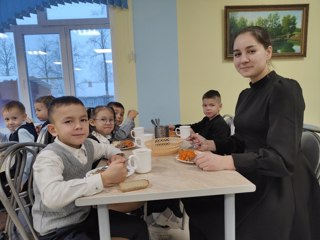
(259, 33)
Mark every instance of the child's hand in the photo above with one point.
(132, 114)
(119, 156)
(116, 172)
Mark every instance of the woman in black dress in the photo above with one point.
(266, 150)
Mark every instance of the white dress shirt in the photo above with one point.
(48, 169)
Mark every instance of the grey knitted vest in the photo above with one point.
(46, 220)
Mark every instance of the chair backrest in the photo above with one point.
(3, 147)
(20, 200)
(229, 120)
(45, 137)
(310, 144)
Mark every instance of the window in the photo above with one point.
(44, 69)
(67, 53)
(92, 66)
(8, 71)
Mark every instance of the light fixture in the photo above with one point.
(36, 53)
(108, 61)
(77, 69)
(57, 63)
(88, 32)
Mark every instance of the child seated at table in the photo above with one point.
(14, 115)
(123, 129)
(102, 122)
(41, 107)
(60, 178)
(212, 126)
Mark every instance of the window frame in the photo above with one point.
(45, 26)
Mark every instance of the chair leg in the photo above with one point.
(13, 217)
(3, 220)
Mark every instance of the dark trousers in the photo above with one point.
(121, 225)
(206, 217)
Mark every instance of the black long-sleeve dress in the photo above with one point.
(266, 150)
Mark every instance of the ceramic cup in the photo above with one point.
(141, 160)
(137, 132)
(183, 131)
(142, 138)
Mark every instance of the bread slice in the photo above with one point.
(134, 185)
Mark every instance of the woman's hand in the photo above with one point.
(208, 161)
(200, 143)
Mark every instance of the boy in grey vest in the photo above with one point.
(60, 178)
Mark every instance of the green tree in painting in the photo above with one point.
(274, 25)
(289, 24)
(235, 26)
(283, 31)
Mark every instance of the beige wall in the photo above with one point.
(201, 58)
(124, 65)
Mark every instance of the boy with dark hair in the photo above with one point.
(60, 178)
(212, 126)
(14, 115)
(123, 129)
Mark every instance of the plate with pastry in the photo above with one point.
(187, 155)
(131, 170)
(126, 144)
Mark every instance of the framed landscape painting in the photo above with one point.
(287, 26)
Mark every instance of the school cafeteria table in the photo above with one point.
(170, 179)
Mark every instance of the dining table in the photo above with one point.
(171, 179)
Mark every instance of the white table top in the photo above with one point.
(172, 179)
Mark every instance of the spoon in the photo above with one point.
(153, 122)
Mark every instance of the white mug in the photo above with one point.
(183, 131)
(142, 138)
(137, 132)
(141, 160)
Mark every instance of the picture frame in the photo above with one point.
(287, 26)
